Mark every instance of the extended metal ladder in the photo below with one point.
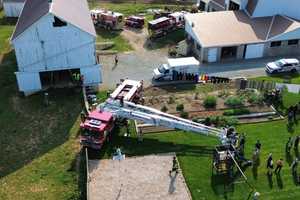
(152, 116)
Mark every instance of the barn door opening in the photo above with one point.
(229, 52)
(61, 78)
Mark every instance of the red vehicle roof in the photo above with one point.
(97, 121)
(102, 116)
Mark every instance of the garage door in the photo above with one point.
(28, 82)
(212, 55)
(254, 51)
(91, 75)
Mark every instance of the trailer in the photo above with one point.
(107, 19)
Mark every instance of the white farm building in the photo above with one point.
(53, 40)
(13, 8)
(247, 29)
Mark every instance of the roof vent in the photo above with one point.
(193, 24)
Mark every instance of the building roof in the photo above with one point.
(251, 5)
(75, 12)
(228, 28)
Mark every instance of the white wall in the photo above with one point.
(12, 9)
(43, 47)
(189, 30)
(283, 7)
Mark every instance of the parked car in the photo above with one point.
(283, 65)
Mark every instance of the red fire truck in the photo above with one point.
(135, 21)
(95, 129)
(163, 25)
(107, 19)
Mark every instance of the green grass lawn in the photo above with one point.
(287, 78)
(120, 43)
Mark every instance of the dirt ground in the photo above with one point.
(137, 178)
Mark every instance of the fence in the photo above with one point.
(257, 84)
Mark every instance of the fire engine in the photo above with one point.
(163, 25)
(135, 21)
(107, 19)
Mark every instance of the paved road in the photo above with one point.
(139, 66)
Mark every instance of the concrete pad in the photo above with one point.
(136, 178)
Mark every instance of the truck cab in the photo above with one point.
(95, 129)
(184, 66)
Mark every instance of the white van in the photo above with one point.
(188, 65)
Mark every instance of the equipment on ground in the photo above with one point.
(135, 21)
(107, 19)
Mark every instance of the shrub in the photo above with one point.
(221, 121)
(171, 100)
(210, 102)
(180, 107)
(239, 111)
(184, 114)
(234, 101)
(256, 99)
(196, 96)
(164, 108)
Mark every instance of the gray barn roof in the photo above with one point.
(75, 12)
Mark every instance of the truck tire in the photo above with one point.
(275, 72)
(293, 71)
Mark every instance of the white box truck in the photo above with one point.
(188, 65)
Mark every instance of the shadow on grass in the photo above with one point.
(132, 147)
(108, 35)
(8, 21)
(28, 128)
(222, 184)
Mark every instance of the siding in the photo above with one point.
(43, 47)
(12, 9)
(283, 7)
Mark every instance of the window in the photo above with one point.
(202, 6)
(58, 23)
(293, 42)
(276, 44)
(198, 47)
(233, 6)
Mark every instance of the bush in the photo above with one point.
(256, 99)
(234, 101)
(184, 114)
(180, 107)
(221, 121)
(210, 102)
(164, 109)
(171, 100)
(239, 111)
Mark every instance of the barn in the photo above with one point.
(53, 40)
(13, 8)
